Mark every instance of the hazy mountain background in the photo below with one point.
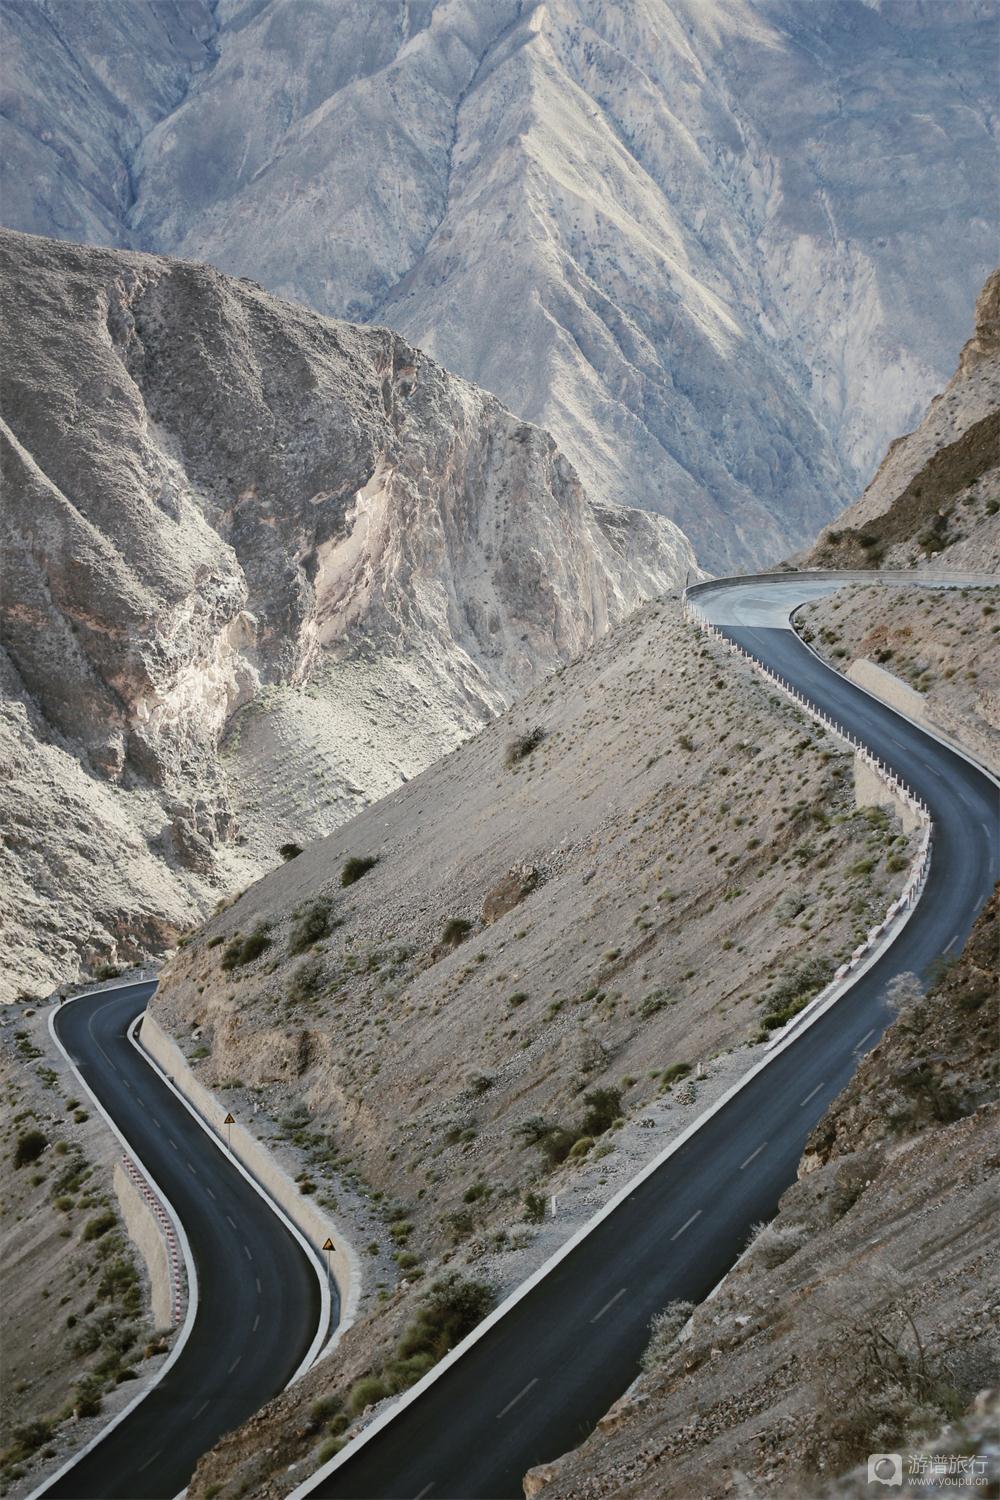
(722, 250)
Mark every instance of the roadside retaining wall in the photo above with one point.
(146, 1234)
(307, 1217)
(890, 688)
(871, 790)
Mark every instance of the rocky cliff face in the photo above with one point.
(234, 526)
(936, 495)
(723, 251)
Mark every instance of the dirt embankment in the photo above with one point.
(863, 1318)
(942, 643)
(76, 1301)
(468, 998)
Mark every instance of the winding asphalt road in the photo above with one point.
(258, 1293)
(537, 1381)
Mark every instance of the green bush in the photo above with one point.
(27, 1439)
(558, 1143)
(451, 1308)
(29, 1147)
(311, 926)
(87, 1397)
(356, 866)
(107, 971)
(95, 1227)
(365, 1392)
(581, 1146)
(603, 1107)
(455, 931)
(306, 981)
(326, 1407)
(242, 950)
(534, 1208)
(674, 1072)
(518, 998)
(520, 748)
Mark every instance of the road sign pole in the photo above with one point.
(229, 1122)
(328, 1246)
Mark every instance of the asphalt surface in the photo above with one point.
(537, 1382)
(258, 1293)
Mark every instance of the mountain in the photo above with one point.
(259, 568)
(582, 914)
(723, 249)
(936, 494)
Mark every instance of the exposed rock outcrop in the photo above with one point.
(215, 502)
(936, 496)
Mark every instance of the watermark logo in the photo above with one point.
(931, 1472)
(885, 1468)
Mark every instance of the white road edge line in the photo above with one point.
(517, 1398)
(182, 1239)
(348, 1452)
(604, 1309)
(687, 1224)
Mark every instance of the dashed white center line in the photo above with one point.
(517, 1398)
(246, 1252)
(425, 1491)
(208, 1190)
(687, 1224)
(191, 1168)
(201, 1408)
(149, 1460)
(231, 1220)
(864, 1039)
(155, 1121)
(235, 1362)
(811, 1095)
(753, 1155)
(256, 1324)
(173, 1143)
(257, 1279)
(609, 1304)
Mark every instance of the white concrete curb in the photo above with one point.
(181, 1237)
(314, 1260)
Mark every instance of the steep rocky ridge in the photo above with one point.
(863, 1318)
(722, 249)
(936, 495)
(610, 888)
(215, 501)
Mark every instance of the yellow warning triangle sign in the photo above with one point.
(328, 1244)
(230, 1119)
